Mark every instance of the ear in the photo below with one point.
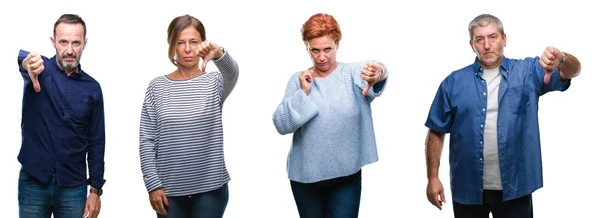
(504, 40)
(85, 42)
(52, 41)
(472, 46)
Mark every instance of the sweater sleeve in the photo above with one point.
(148, 145)
(229, 70)
(295, 109)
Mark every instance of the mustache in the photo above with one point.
(69, 55)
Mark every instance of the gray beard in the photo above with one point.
(69, 67)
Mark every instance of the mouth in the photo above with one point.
(188, 58)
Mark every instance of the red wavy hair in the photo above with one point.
(320, 25)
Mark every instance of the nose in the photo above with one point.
(322, 56)
(70, 49)
(188, 47)
(487, 43)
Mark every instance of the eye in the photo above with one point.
(493, 37)
(314, 50)
(478, 40)
(327, 49)
(76, 43)
(180, 43)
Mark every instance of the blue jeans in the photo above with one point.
(203, 205)
(40, 200)
(333, 198)
(492, 202)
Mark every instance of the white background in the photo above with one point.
(420, 42)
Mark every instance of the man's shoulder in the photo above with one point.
(90, 81)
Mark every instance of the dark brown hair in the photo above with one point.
(177, 25)
(70, 19)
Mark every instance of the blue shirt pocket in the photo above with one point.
(518, 98)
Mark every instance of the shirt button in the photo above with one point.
(481, 125)
(483, 109)
(484, 93)
(480, 158)
(482, 80)
(480, 142)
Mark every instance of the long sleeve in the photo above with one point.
(376, 90)
(295, 109)
(229, 70)
(96, 143)
(148, 144)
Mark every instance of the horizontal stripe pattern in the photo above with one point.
(181, 131)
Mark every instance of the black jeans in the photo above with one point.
(492, 202)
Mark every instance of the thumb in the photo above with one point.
(204, 62)
(35, 81)
(366, 89)
(547, 77)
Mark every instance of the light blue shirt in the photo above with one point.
(332, 125)
(459, 108)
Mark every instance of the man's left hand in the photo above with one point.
(92, 206)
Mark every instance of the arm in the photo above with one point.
(567, 65)
(229, 70)
(295, 109)
(433, 152)
(439, 122)
(148, 145)
(96, 143)
(95, 155)
(570, 68)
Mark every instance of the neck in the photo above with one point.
(321, 74)
(183, 72)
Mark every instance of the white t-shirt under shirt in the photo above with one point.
(491, 167)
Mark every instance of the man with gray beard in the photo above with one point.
(62, 126)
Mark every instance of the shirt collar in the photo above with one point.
(504, 66)
(57, 68)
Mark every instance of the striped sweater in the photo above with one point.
(181, 131)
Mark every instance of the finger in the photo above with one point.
(437, 202)
(164, 199)
(205, 60)
(443, 196)
(86, 211)
(161, 209)
(366, 89)
(308, 78)
(547, 77)
(206, 46)
(35, 82)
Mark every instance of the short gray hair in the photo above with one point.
(484, 20)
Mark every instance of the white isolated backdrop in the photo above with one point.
(421, 42)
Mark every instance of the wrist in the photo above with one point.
(382, 75)
(220, 52)
(97, 191)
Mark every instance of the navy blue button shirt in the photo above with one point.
(459, 108)
(61, 125)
